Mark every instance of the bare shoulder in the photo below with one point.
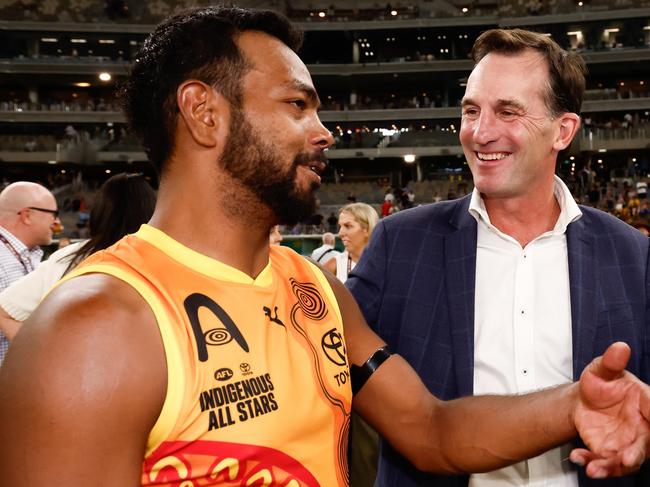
(89, 362)
(91, 312)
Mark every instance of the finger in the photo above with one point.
(581, 456)
(601, 468)
(614, 360)
(614, 466)
(633, 457)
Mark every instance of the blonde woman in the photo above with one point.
(356, 222)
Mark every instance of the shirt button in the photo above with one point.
(525, 371)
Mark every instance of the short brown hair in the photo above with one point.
(566, 70)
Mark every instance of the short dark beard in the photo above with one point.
(260, 169)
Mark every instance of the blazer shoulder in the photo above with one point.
(437, 215)
(597, 221)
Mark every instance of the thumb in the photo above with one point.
(613, 361)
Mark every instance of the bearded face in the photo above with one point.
(262, 169)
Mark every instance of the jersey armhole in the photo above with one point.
(324, 283)
(171, 408)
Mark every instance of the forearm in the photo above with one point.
(472, 434)
(483, 433)
(8, 326)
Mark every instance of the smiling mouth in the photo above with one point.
(317, 167)
(491, 156)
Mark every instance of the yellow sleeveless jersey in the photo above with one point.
(258, 390)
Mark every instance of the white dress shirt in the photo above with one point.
(522, 328)
(324, 253)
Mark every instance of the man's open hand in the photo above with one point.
(612, 416)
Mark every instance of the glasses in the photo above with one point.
(54, 213)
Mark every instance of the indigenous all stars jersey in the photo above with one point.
(258, 390)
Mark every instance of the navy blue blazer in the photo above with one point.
(415, 286)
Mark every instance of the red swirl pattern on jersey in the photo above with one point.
(231, 464)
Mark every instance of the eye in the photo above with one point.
(508, 114)
(470, 112)
(300, 104)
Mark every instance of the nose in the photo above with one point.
(322, 138)
(484, 128)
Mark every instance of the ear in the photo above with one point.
(569, 123)
(24, 217)
(202, 109)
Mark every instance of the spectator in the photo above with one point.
(275, 237)
(332, 222)
(28, 212)
(325, 252)
(123, 203)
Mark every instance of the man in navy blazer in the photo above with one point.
(515, 286)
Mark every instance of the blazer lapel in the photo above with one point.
(582, 280)
(460, 275)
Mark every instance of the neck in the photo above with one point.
(524, 218)
(213, 215)
(354, 255)
(16, 232)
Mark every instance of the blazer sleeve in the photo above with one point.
(367, 280)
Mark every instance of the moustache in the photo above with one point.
(306, 158)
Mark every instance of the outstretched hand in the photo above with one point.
(612, 416)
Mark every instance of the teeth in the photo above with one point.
(492, 156)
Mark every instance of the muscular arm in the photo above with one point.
(81, 387)
(472, 434)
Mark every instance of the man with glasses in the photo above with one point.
(28, 213)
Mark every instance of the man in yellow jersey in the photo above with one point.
(192, 353)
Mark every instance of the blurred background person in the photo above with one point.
(275, 237)
(123, 203)
(28, 214)
(356, 222)
(325, 252)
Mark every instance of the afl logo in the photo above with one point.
(223, 374)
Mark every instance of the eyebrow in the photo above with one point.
(501, 103)
(308, 90)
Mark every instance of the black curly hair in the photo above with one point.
(200, 44)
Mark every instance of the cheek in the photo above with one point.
(359, 235)
(465, 129)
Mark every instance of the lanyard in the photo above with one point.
(349, 264)
(15, 252)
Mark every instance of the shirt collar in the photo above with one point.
(13, 240)
(20, 247)
(569, 210)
